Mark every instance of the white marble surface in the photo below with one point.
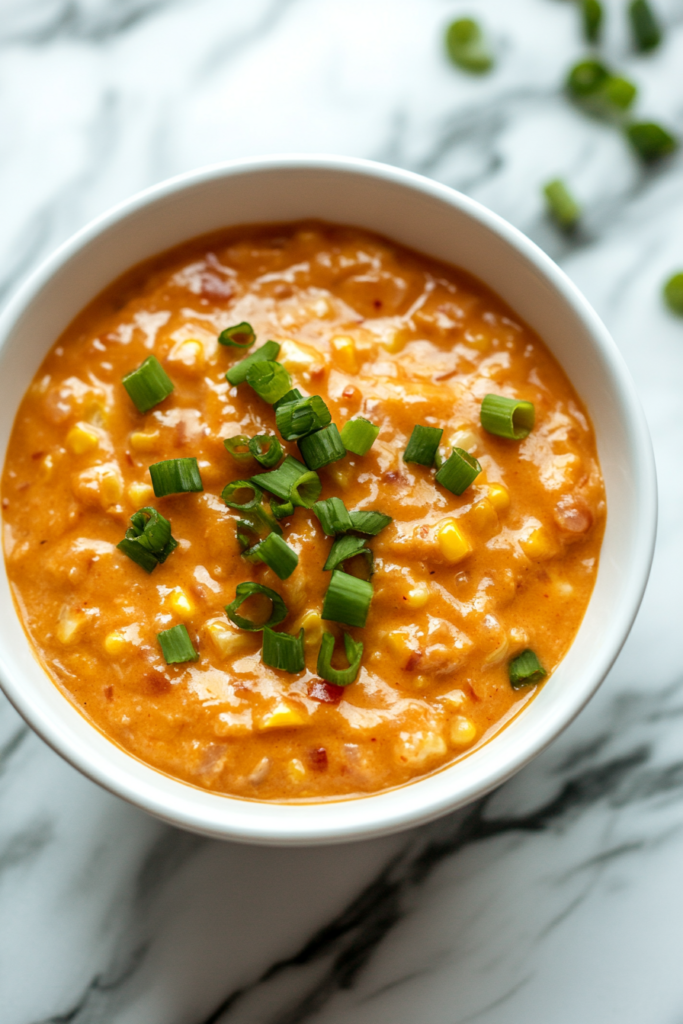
(557, 899)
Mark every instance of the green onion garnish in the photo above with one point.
(306, 490)
(262, 521)
(467, 47)
(646, 32)
(230, 490)
(291, 396)
(339, 676)
(346, 547)
(333, 516)
(673, 293)
(591, 12)
(148, 385)
(148, 541)
(618, 93)
(369, 522)
(269, 380)
(562, 204)
(458, 472)
(507, 417)
(423, 445)
(175, 476)
(238, 447)
(359, 435)
(237, 374)
(279, 481)
(347, 599)
(525, 670)
(323, 447)
(240, 336)
(283, 651)
(277, 554)
(586, 78)
(266, 449)
(301, 417)
(176, 645)
(281, 509)
(650, 141)
(247, 590)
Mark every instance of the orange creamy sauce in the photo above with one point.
(375, 330)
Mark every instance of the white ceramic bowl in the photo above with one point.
(444, 224)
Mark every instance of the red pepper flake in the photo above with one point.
(37, 455)
(413, 661)
(318, 759)
(158, 683)
(326, 693)
(109, 692)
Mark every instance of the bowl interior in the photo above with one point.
(445, 225)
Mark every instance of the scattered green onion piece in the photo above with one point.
(279, 481)
(175, 476)
(562, 204)
(301, 417)
(141, 556)
(650, 141)
(586, 78)
(238, 447)
(237, 374)
(266, 449)
(591, 13)
(283, 651)
(369, 522)
(240, 336)
(333, 516)
(645, 29)
(346, 547)
(277, 554)
(247, 590)
(262, 520)
(359, 435)
(242, 485)
(347, 599)
(507, 417)
(148, 385)
(467, 47)
(306, 490)
(619, 93)
(673, 293)
(176, 645)
(339, 676)
(525, 670)
(291, 396)
(270, 380)
(244, 529)
(281, 509)
(423, 445)
(458, 472)
(323, 447)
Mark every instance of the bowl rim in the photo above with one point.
(268, 828)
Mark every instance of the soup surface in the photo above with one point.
(462, 584)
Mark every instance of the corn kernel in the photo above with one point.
(111, 488)
(499, 497)
(395, 340)
(142, 441)
(69, 626)
(462, 731)
(180, 603)
(140, 494)
(416, 748)
(296, 770)
(483, 516)
(188, 355)
(283, 717)
(539, 545)
(227, 642)
(312, 625)
(417, 596)
(115, 643)
(345, 349)
(82, 438)
(398, 643)
(453, 543)
(341, 474)
(297, 358)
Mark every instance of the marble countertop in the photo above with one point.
(559, 897)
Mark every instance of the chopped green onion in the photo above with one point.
(467, 46)
(619, 93)
(592, 84)
(245, 541)
(262, 521)
(323, 447)
(423, 445)
(359, 435)
(306, 490)
(673, 294)
(148, 385)
(229, 491)
(240, 336)
(458, 472)
(562, 204)
(283, 651)
(650, 141)
(238, 447)
(281, 509)
(277, 554)
(591, 12)
(176, 645)
(270, 380)
(266, 449)
(507, 417)
(237, 374)
(346, 547)
(347, 599)
(339, 676)
(586, 78)
(333, 516)
(370, 522)
(291, 396)
(279, 481)
(525, 670)
(141, 556)
(301, 417)
(645, 30)
(247, 590)
(148, 542)
(175, 476)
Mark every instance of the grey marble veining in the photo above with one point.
(559, 897)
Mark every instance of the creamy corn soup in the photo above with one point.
(467, 599)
